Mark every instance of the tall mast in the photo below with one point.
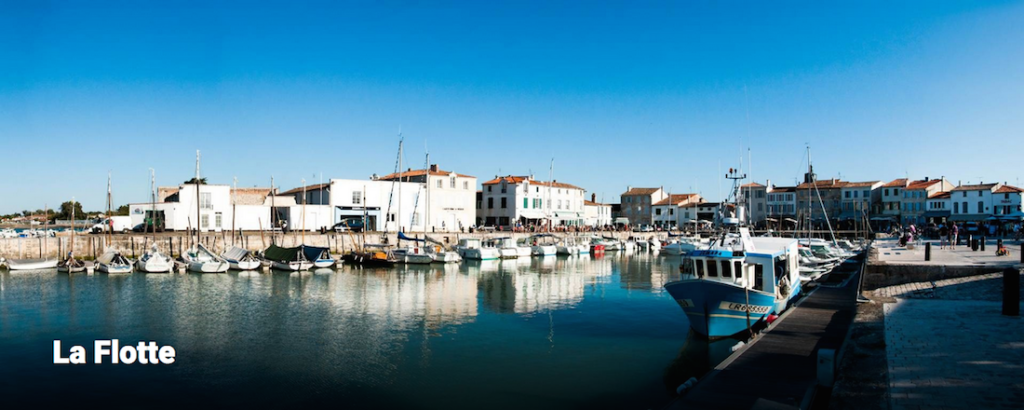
(110, 224)
(810, 179)
(303, 211)
(152, 198)
(273, 211)
(234, 192)
(198, 217)
(72, 227)
(400, 180)
(426, 207)
(551, 181)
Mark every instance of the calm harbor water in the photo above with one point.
(540, 333)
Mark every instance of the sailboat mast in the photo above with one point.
(303, 211)
(273, 210)
(551, 172)
(110, 224)
(426, 207)
(152, 198)
(810, 179)
(400, 182)
(198, 217)
(72, 253)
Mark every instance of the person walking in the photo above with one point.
(943, 236)
(954, 231)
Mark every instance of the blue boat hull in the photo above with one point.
(717, 309)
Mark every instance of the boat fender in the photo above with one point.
(687, 385)
(771, 318)
(737, 346)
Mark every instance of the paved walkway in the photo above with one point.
(890, 252)
(946, 351)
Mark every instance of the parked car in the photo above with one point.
(643, 228)
(351, 224)
(121, 224)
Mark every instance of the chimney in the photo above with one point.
(433, 167)
(593, 197)
(629, 188)
(926, 179)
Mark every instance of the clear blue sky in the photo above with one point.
(619, 93)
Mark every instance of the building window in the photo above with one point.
(453, 183)
(964, 207)
(465, 184)
(488, 188)
(206, 200)
(205, 221)
(979, 193)
(217, 219)
(357, 198)
(504, 202)
(440, 184)
(847, 194)
(981, 206)
(504, 187)
(1006, 196)
(887, 192)
(671, 211)
(867, 194)
(490, 203)
(657, 211)
(526, 203)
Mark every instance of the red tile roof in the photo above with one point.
(421, 172)
(783, 189)
(518, 180)
(922, 184)
(860, 184)
(902, 182)
(640, 191)
(975, 187)
(675, 199)
(940, 195)
(752, 185)
(824, 184)
(586, 202)
(1008, 189)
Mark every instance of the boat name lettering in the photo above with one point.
(740, 307)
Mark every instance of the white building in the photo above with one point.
(668, 212)
(222, 208)
(508, 200)
(424, 200)
(978, 202)
(597, 214)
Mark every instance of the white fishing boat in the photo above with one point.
(681, 245)
(154, 262)
(543, 245)
(241, 259)
(476, 249)
(507, 248)
(413, 254)
(29, 264)
(289, 259)
(443, 256)
(201, 260)
(113, 262)
(71, 264)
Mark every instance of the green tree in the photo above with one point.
(202, 181)
(64, 212)
(122, 210)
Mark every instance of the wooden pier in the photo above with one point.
(779, 370)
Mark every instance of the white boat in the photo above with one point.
(413, 255)
(71, 264)
(654, 244)
(439, 254)
(543, 245)
(475, 249)
(507, 248)
(572, 246)
(112, 261)
(629, 246)
(154, 262)
(611, 244)
(202, 260)
(289, 259)
(681, 246)
(241, 259)
(29, 264)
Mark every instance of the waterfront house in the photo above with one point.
(511, 200)
(978, 202)
(915, 195)
(892, 199)
(449, 198)
(221, 207)
(698, 211)
(755, 196)
(809, 205)
(859, 200)
(939, 208)
(637, 204)
(667, 212)
(781, 207)
(596, 214)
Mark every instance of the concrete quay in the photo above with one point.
(890, 264)
(91, 245)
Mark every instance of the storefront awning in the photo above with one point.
(967, 218)
(532, 214)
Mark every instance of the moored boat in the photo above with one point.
(113, 262)
(289, 259)
(29, 264)
(241, 259)
(201, 260)
(476, 249)
(152, 261)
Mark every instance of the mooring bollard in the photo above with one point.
(983, 243)
(1011, 292)
(927, 251)
(974, 245)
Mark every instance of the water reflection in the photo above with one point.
(534, 332)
